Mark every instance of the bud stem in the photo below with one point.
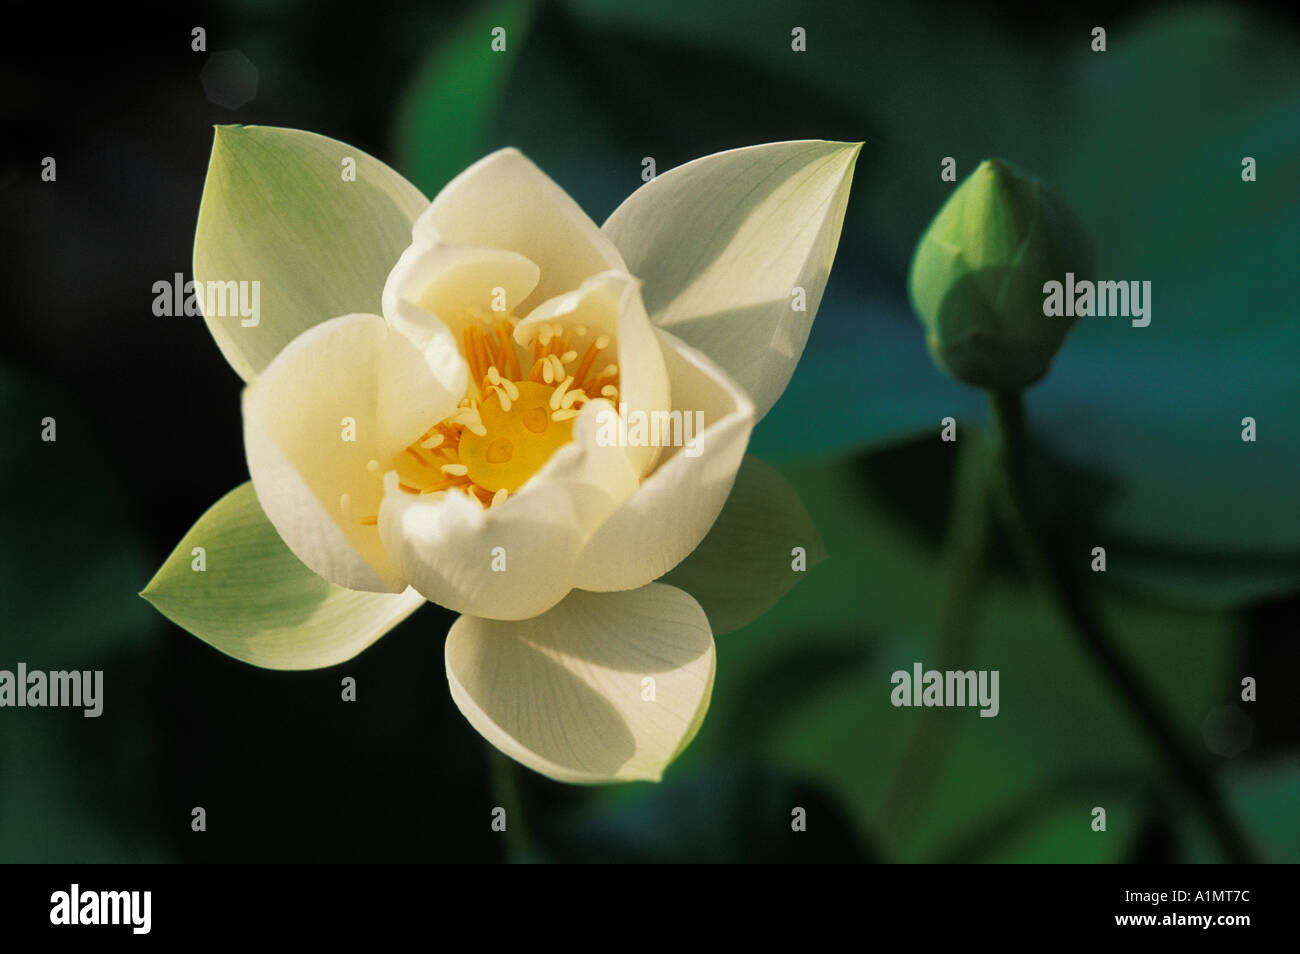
(966, 558)
(1046, 566)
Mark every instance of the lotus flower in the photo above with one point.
(453, 443)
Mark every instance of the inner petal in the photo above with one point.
(456, 282)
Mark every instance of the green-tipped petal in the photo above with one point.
(723, 242)
(277, 210)
(604, 687)
(254, 600)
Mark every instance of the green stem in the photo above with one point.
(1046, 565)
(504, 780)
(965, 549)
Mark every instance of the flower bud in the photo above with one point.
(978, 272)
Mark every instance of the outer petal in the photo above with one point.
(566, 693)
(673, 509)
(723, 242)
(295, 422)
(504, 201)
(447, 545)
(610, 303)
(255, 601)
(276, 210)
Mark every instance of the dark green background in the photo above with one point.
(1136, 434)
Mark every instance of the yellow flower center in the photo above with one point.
(518, 439)
(510, 423)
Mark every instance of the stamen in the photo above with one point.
(558, 395)
(369, 521)
(469, 419)
(589, 357)
(372, 466)
(432, 442)
(508, 348)
(503, 397)
(563, 415)
(471, 358)
(456, 470)
(499, 497)
(482, 361)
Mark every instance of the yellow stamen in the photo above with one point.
(558, 396)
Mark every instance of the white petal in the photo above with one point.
(504, 201)
(723, 242)
(447, 545)
(673, 509)
(610, 303)
(445, 280)
(422, 376)
(294, 429)
(604, 687)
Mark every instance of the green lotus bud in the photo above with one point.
(978, 273)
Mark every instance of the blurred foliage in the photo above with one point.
(873, 609)
(726, 815)
(71, 788)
